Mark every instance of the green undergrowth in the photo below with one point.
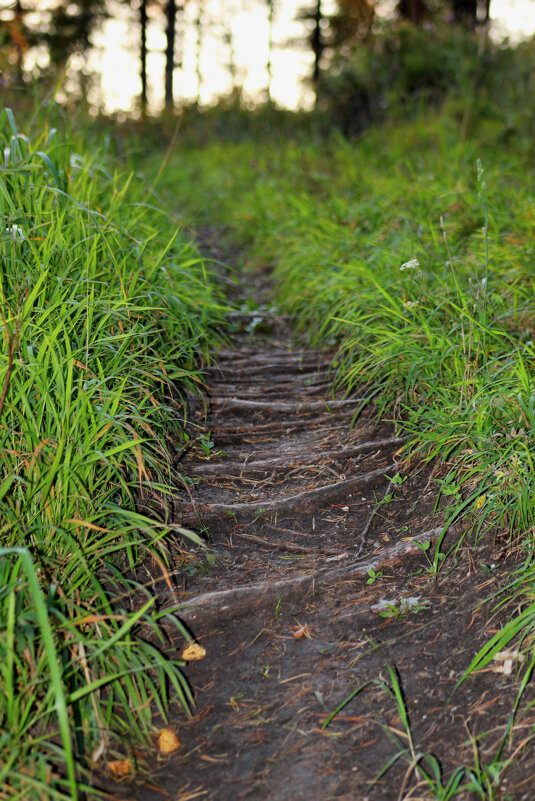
(409, 249)
(106, 312)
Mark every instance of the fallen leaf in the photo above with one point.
(120, 767)
(481, 501)
(168, 741)
(193, 652)
(301, 631)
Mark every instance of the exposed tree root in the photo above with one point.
(254, 357)
(271, 407)
(239, 600)
(288, 424)
(283, 546)
(269, 369)
(230, 390)
(328, 494)
(266, 379)
(293, 460)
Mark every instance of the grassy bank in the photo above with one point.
(410, 249)
(106, 311)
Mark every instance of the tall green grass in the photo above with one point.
(446, 348)
(106, 309)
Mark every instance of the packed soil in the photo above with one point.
(318, 580)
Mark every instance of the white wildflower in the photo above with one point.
(412, 264)
(411, 304)
(15, 232)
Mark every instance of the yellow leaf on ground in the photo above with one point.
(193, 652)
(302, 631)
(168, 741)
(481, 501)
(120, 767)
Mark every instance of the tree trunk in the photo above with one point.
(170, 13)
(317, 42)
(465, 11)
(413, 10)
(199, 27)
(20, 42)
(143, 55)
(269, 65)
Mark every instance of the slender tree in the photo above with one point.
(414, 11)
(198, 43)
(170, 36)
(316, 21)
(143, 20)
(316, 41)
(465, 12)
(269, 63)
(228, 40)
(471, 11)
(71, 25)
(20, 40)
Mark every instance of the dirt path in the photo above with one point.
(317, 587)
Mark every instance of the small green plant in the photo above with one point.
(404, 607)
(437, 561)
(207, 445)
(373, 576)
(397, 480)
(278, 607)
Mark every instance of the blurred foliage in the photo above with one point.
(405, 67)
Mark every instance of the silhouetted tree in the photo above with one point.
(471, 11)
(316, 40)
(465, 12)
(198, 44)
(170, 35)
(271, 14)
(352, 23)
(71, 25)
(143, 20)
(415, 11)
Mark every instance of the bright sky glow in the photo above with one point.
(235, 32)
(514, 18)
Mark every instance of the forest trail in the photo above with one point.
(317, 587)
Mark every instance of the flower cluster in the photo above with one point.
(15, 232)
(412, 264)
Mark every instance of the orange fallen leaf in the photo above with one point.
(168, 741)
(120, 767)
(302, 631)
(193, 652)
